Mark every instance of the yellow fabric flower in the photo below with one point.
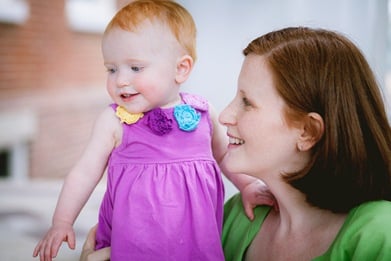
(126, 116)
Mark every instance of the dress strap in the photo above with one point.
(114, 106)
(196, 101)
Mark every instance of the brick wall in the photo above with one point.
(58, 74)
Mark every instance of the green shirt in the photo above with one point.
(365, 234)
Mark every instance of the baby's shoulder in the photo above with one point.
(108, 121)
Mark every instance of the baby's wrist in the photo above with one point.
(57, 222)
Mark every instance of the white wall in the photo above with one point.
(226, 26)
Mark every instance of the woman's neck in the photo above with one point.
(296, 231)
(296, 214)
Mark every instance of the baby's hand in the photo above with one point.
(48, 247)
(255, 194)
(89, 253)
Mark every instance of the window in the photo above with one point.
(14, 11)
(89, 15)
(4, 164)
(17, 131)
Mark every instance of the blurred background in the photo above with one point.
(52, 87)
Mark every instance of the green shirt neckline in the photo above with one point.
(365, 233)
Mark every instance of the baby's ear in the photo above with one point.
(312, 132)
(183, 68)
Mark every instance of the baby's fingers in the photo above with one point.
(248, 209)
(53, 248)
(268, 200)
(42, 250)
(71, 240)
(48, 248)
(37, 249)
(264, 200)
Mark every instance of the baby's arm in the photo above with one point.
(78, 186)
(254, 191)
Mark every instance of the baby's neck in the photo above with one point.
(173, 102)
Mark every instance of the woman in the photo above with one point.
(308, 119)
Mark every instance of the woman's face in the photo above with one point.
(260, 141)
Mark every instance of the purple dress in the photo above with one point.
(165, 195)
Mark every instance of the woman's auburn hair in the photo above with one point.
(317, 70)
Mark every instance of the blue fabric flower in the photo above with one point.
(187, 117)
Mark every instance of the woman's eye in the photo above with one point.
(246, 102)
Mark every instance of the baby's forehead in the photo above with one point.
(147, 37)
(136, 22)
(154, 27)
(152, 24)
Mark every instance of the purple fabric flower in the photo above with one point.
(159, 123)
(187, 117)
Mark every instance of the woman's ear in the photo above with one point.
(183, 68)
(312, 132)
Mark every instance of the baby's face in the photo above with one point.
(142, 66)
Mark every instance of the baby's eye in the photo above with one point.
(136, 68)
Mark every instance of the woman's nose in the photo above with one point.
(227, 116)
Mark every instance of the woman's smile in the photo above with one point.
(235, 141)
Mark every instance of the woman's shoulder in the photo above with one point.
(371, 219)
(368, 220)
(238, 230)
(371, 214)
(366, 233)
